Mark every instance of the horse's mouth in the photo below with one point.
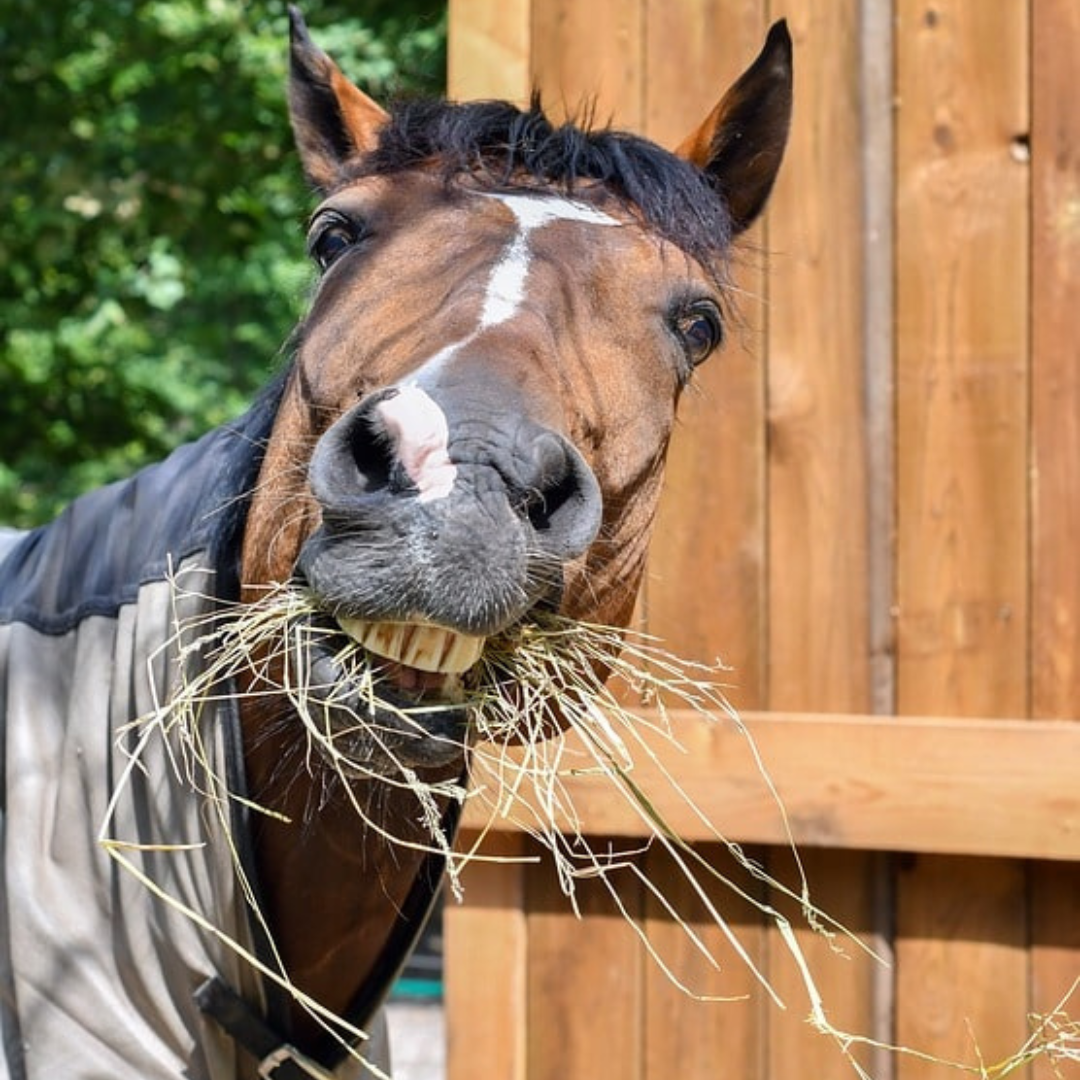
(401, 698)
(417, 656)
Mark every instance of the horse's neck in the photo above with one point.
(334, 886)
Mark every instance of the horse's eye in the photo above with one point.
(330, 237)
(699, 329)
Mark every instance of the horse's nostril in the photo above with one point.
(561, 497)
(372, 452)
(356, 457)
(542, 506)
(551, 482)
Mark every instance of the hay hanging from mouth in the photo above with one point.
(541, 715)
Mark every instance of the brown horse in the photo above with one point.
(472, 431)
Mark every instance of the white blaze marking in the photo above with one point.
(507, 284)
(506, 288)
(421, 438)
(412, 417)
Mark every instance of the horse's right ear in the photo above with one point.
(741, 143)
(332, 120)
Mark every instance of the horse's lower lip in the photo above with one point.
(403, 718)
(416, 649)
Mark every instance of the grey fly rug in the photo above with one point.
(99, 977)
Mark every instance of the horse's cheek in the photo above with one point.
(282, 512)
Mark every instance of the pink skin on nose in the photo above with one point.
(420, 433)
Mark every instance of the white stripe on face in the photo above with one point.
(414, 419)
(506, 287)
(421, 440)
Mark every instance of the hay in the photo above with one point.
(540, 712)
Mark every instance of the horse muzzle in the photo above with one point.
(440, 528)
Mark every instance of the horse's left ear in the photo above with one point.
(332, 120)
(741, 143)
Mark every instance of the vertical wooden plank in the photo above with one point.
(590, 57)
(961, 962)
(962, 364)
(1055, 404)
(1055, 953)
(488, 50)
(705, 592)
(685, 1038)
(695, 49)
(818, 560)
(485, 976)
(845, 886)
(962, 359)
(584, 979)
(817, 483)
(1055, 417)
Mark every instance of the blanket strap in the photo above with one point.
(278, 1060)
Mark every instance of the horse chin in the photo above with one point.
(399, 702)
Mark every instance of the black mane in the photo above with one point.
(505, 148)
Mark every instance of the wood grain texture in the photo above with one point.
(818, 511)
(588, 59)
(1003, 787)
(962, 348)
(842, 884)
(696, 1039)
(585, 980)
(1055, 954)
(1055, 404)
(695, 50)
(1055, 420)
(485, 964)
(488, 50)
(962, 963)
(962, 401)
(818, 643)
(706, 589)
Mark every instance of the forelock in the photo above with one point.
(499, 147)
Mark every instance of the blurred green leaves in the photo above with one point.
(151, 249)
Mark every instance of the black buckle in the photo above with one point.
(278, 1059)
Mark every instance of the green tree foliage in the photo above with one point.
(151, 247)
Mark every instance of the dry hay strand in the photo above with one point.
(1055, 1038)
(536, 690)
(540, 713)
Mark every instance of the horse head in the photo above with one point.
(469, 442)
(486, 381)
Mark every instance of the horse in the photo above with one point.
(470, 430)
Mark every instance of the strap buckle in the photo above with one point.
(289, 1060)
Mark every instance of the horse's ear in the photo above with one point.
(741, 143)
(331, 119)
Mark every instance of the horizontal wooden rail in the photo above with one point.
(978, 787)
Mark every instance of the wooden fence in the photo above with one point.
(873, 515)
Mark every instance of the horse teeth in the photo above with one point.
(416, 645)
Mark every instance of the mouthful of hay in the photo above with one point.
(548, 699)
(503, 723)
(388, 695)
